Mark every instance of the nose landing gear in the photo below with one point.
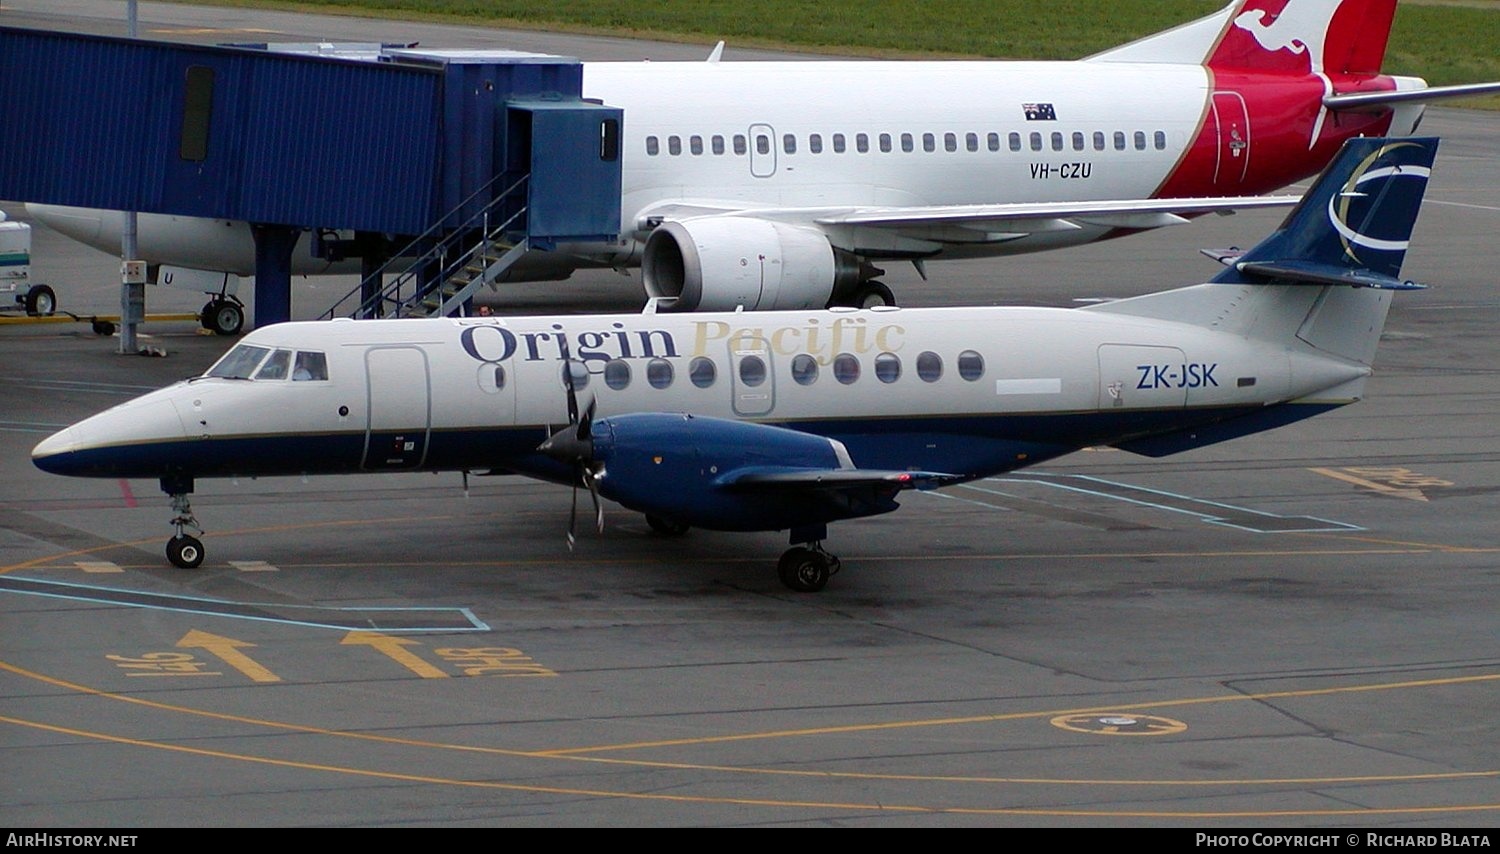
(183, 550)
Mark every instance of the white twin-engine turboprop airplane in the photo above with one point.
(790, 420)
(782, 185)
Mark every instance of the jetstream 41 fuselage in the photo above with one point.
(792, 420)
(782, 185)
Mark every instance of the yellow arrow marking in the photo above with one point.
(391, 647)
(1384, 489)
(227, 651)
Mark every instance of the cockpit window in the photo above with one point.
(275, 367)
(310, 366)
(239, 363)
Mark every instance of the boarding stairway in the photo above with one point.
(445, 266)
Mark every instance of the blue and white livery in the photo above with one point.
(790, 420)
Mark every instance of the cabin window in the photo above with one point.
(950, 142)
(805, 369)
(739, 144)
(1098, 140)
(674, 145)
(314, 366)
(1159, 139)
(994, 141)
(617, 374)
(1119, 140)
(1077, 140)
(971, 141)
(885, 143)
(752, 371)
(838, 143)
(702, 372)
(762, 143)
(929, 142)
(789, 143)
(489, 382)
(845, 368)
(578, 371)
(908, 144)
(861, 143)
(930, 367)
(1057, 141)
(239, 363)
(659, 373)
(1036, 141)
(1015, 141)
(717, 142)
(1140, 140)
(653, 146)
(695, 144)
(887, 367)
(197, 108)
(815, 143)
(970, 365)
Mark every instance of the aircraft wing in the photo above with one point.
(979, 223)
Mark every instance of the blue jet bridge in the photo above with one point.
(459, 159)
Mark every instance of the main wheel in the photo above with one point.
(666, 527)
(41, 301)
(873, 294)
(185, 552)
(803, 569)
(223, 317)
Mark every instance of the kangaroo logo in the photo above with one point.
(1339, 203)
(1301, 27)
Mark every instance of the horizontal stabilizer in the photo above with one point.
(1358, 100)
(1313, 273)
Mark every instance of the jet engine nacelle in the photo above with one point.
(720, 263)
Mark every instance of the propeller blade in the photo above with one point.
(593, 483)
(586, 426)
(573, 520)
(568, 381)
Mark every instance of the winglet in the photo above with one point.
(717, 52)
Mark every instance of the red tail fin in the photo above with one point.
(1336, 37)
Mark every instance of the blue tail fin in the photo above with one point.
(1353, 226)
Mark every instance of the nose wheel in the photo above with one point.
(185, 551)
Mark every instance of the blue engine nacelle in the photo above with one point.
(695, 470)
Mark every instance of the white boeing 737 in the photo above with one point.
(784, 185)
(790, 420)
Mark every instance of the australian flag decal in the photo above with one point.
(1039, 112)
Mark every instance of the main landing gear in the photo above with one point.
(869, 294)
(806, 569)
(185, 551)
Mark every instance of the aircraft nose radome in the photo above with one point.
(53, 453)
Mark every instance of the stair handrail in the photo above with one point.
(367, 306)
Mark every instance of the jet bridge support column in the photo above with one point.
(273, 272)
